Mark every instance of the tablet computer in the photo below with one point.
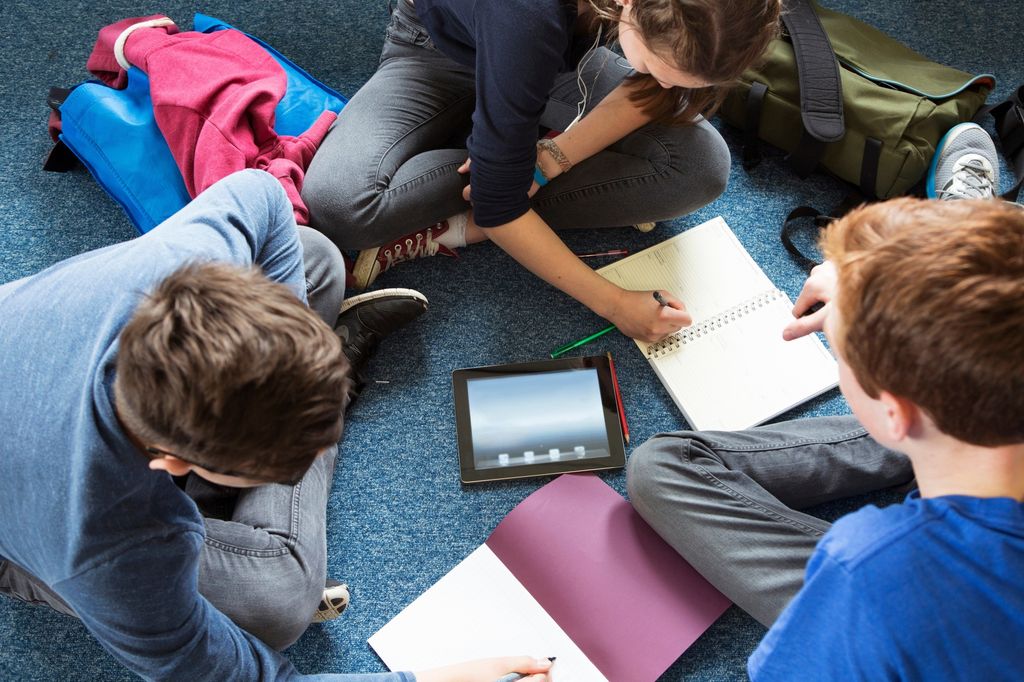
(537, 419)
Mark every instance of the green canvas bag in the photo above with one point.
(862, 105)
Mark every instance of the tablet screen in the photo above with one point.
(535, 419)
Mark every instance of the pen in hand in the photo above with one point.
(513, 677)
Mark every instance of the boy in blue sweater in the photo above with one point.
(924, 308)
(157, 394)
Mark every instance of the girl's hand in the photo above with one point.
(638, 315)
(489, 670)
(467, 190)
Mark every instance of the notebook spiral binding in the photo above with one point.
(676, 341)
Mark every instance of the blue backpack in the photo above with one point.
(113, 133)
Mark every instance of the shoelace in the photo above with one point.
(970, 180)
(422, 246)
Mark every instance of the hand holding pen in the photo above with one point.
(516, 677)
(669, 307)
(649, 316)
(526, 668)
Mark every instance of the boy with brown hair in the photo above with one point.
(924, 308)
(189, 351)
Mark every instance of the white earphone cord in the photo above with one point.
(581, 84)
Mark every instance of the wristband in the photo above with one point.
(539, 177)
(551, 147)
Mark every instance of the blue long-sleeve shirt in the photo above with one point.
(79, 507)
(517, 48)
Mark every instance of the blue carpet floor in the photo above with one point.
(398, 517)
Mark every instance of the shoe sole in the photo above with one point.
(363, 271)
(383, 293)
(950, 135)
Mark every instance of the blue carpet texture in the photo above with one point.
(398, 517)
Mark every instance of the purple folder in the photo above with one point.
(626, 598)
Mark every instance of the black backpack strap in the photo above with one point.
(1009, 120)
(797, 222)
(821, 92)
(803, 218)
(869, 167)
(751, 143)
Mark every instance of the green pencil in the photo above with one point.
(562, 350)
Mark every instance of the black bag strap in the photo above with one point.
(821, 93)
(797, 222)
(751, 143)
(1009, 119)
(870, 159)
(803, 218)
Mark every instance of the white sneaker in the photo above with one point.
(965, 165)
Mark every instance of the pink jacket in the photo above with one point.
(214, 97)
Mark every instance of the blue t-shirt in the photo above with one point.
(517, 48)
(932, 589)
(79, 507)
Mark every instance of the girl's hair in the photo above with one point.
(714, 40)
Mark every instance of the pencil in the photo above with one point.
(618, 399)
(562, 350)
(599, 254)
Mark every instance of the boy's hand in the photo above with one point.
(638, 315)
(820, 287)
(489, 670)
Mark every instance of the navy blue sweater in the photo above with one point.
(517, 48)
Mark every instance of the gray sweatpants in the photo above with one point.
(265, 558)
(388, 165)
(728, 501)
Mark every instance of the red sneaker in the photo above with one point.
(372, 262)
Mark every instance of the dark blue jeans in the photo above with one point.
(388, 165)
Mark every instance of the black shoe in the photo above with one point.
(367, 318)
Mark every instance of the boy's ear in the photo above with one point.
(170, 464)
(902, 417)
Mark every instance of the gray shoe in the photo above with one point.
(367, 318)
(965, 166)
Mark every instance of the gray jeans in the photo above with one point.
(389, 164)
(265, 558)
(727, 501)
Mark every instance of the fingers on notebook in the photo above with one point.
(802, 326)
(820, 287)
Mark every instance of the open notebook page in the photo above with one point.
(744, 373)
(478, 610)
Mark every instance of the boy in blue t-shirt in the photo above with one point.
(924, 308)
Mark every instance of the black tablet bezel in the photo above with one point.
(609, 404)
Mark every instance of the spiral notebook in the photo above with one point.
(730, 369)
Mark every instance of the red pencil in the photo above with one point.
(618, 400)
(599, 254)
